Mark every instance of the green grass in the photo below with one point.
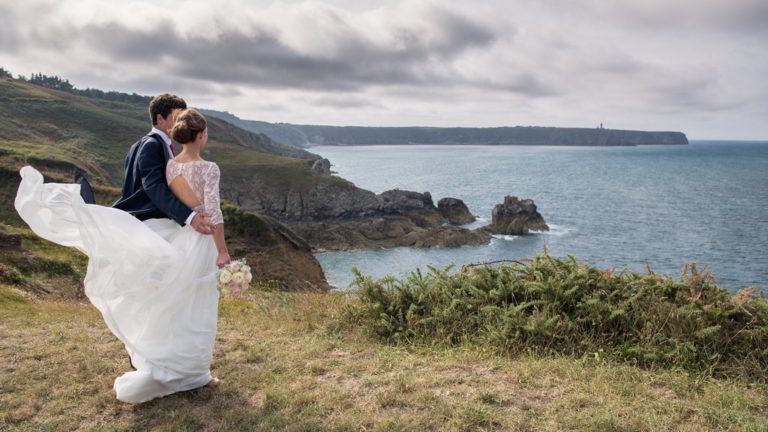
(292, 362)
(41, 267)
(9, 180)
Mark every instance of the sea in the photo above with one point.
(634, 208)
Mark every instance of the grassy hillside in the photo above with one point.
(56, 131)
(280, 132)
(60, 129)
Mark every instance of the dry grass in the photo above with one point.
(288, 364)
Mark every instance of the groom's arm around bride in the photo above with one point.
(146, 194)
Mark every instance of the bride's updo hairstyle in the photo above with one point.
(188, 124)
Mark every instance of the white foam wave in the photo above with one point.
(557, 230)
(506, 237)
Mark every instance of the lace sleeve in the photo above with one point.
(171, 171)
(211, 194)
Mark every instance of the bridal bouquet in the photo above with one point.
(234, 277)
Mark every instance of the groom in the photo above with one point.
(145, 191)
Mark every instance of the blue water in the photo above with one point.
(660, 206)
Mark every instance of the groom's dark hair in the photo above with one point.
(163, 105)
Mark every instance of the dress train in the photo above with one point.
(154, 283)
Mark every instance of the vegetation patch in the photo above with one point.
(242, 223)
(551, 305)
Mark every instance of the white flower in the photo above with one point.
(225, 276)
(237, 278)
(248, 277)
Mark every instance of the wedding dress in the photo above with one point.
(154, 282)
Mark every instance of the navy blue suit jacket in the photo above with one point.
(145, 190)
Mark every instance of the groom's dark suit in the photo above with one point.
(145, 191)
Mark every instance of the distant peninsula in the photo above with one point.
(311, 135)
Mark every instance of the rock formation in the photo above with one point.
(392, 218)
(515, 216)
(277, 255)
(385, 232)
(397, 200)
(455, 211)
(331, 213)
(321, 166)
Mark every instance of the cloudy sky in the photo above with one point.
(698, 66)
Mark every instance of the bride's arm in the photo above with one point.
(213, 207)
(221, 245)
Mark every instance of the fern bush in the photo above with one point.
(559, 305)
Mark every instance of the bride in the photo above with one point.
(154, 282)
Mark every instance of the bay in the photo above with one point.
(613, 207)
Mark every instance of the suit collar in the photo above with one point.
(162, 134)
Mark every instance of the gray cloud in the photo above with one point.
(740, 16)
(702, 93)
(9, 32)
(349, 102)
(526, 84)
(260, 58)
(488, 63)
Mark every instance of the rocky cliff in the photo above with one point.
(334, 214)
(331, 135)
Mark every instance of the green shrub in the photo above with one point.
(555, 305)
(243, 223)
(258, 228)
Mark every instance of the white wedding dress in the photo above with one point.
(153, 281)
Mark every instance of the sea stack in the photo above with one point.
(515, 217)
(455, 211)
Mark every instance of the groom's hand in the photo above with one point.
(201, 225)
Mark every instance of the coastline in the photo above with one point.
(618, 216)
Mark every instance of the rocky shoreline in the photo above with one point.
(393, 218)
(335, 215)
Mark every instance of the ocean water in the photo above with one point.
(613, 207)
